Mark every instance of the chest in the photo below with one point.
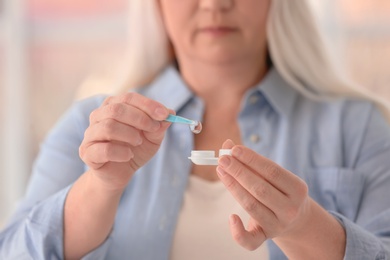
(202, 230)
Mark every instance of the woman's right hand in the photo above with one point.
(124, 133)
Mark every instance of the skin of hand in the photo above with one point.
(124, 133)
(279, 206)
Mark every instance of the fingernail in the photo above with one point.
(232, 219)
(224, 161)
(161, 112)
(230, 142)
(220, 171)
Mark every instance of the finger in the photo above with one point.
(279, 177)
(125, 114)
(256, 185)
(251, 205)
(172, 112)
(97, 154)
(157, 137)
(250, 239)
(112, 130)
(228, 144)
(154, 109)
(109, 99)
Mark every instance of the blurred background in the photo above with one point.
(49, 50)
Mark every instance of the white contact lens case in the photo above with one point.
(204, 157)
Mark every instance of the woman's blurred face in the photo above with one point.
(216, 31)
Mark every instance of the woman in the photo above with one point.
(308, 174)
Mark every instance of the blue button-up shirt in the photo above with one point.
(341, 148)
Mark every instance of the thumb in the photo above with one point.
(228, 144)
(250, 239)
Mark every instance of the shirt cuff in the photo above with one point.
(360, 244)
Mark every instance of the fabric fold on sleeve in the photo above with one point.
(40, 234)
(360, 243)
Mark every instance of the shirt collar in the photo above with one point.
(170, 90)
(277, 92)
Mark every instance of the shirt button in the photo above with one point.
(253, 99)
(255, 138)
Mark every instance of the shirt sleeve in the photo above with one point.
(368, 233)
(35, 231)
(40, 234)
(361, 244)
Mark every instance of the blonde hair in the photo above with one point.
(296, 47)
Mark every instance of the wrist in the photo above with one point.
(302, 228)
(101, 187)
(319, 233)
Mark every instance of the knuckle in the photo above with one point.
(273, 172)
(82, 152)
(262, 190)
(144, 121)
(250, 206)
(109, 127)
(130, 154)
(251, 158)
(85, 156)
(137, 119)
(115, 110)
(93, 116)
(303, 191)
(140, 120)
(87, 133)
(230, 184)
(128, 97)
(108, 100)
(238, 172)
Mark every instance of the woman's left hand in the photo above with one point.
(276, 199)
